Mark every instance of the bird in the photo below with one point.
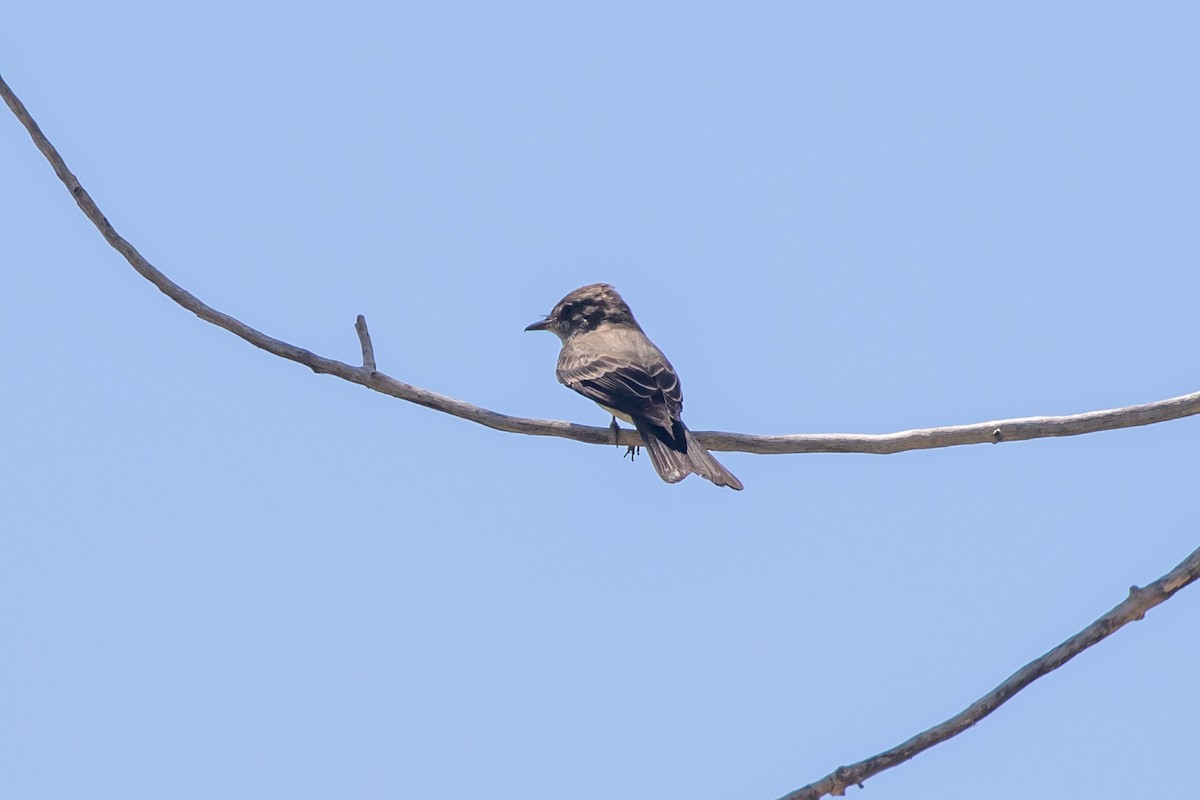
(608, 358)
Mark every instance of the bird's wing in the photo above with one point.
(644, 388)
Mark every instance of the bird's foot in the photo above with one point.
(631, 450)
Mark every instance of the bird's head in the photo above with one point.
(586, 309)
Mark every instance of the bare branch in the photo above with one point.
(1133, 608)
(994, 432)
(1010, 430)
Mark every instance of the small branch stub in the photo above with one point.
(364, 339)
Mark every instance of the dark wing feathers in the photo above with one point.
(646, 390)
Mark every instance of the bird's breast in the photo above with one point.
(621, 415)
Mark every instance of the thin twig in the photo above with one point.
(1010, 430)
(364, 339)
(1133, 608)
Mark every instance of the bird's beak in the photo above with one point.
(540, 325)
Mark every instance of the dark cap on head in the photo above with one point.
(586, 309)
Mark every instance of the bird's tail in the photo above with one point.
(675, 461)
(706, 466)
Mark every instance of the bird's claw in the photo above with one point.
(632, 451)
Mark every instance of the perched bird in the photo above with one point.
(607, 358)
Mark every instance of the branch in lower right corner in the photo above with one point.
(1131, 609)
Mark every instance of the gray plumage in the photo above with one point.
(607, 357)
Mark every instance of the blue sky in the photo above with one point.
(224, 576)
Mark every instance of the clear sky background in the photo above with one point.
(222, 576)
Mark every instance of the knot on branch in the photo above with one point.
(841, 780)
